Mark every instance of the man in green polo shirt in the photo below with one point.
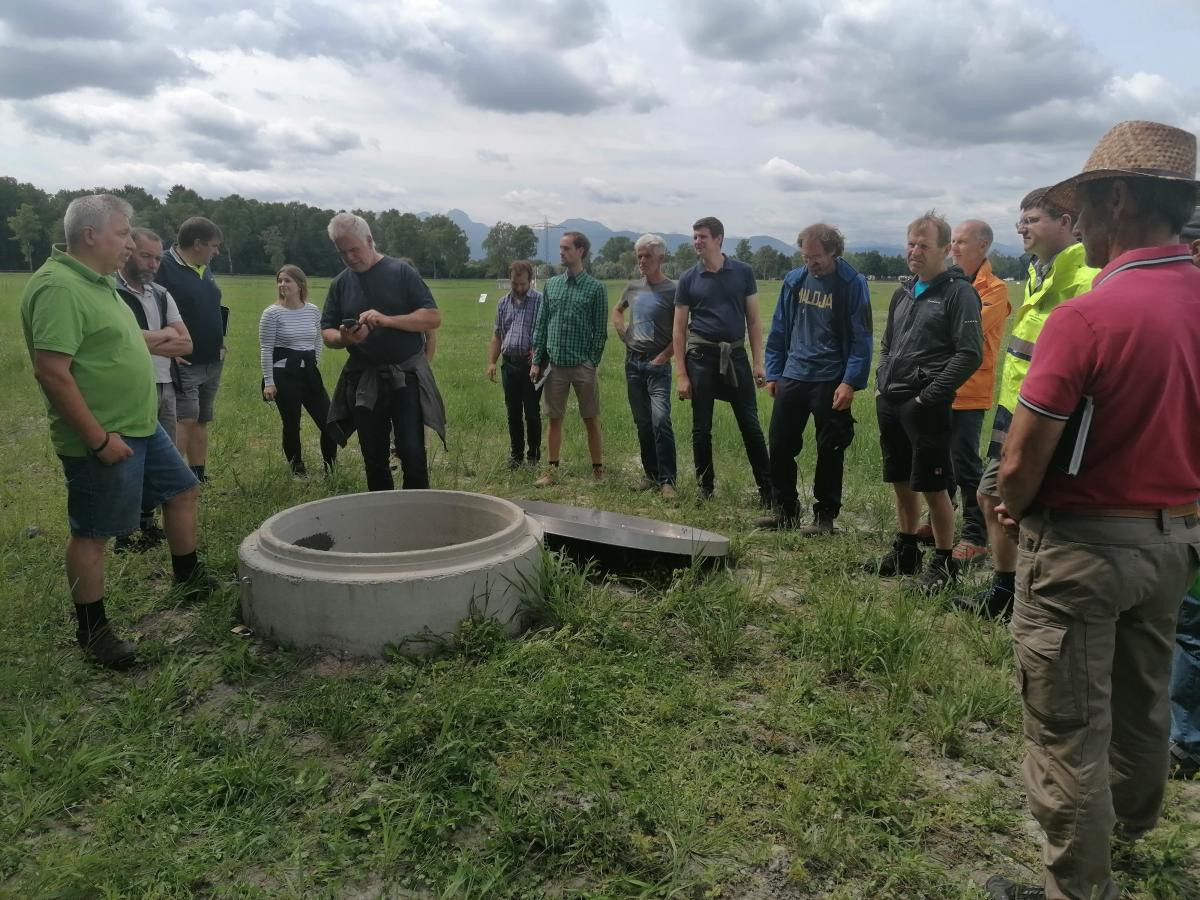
(95, 373)
(568, 341)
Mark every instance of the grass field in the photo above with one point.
(787, 728)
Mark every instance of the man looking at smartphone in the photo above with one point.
(378, 308)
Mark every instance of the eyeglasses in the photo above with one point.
(1027, 221)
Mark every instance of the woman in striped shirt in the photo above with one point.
(289, 347)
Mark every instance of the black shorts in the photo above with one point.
(915, 440)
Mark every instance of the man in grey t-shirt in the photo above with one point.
(648, 351)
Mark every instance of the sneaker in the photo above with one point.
(821, 525)
(902, 559)
(514, 463)
(925, 534)
(548, 477)
(939, 573)
(775, 521)
(197, 587)
(991, 602)
(969, 554)
(644, 484)
(104, 647)
(669, 492)
(1000, 888)
(152, 535)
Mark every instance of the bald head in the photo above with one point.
(969, 245)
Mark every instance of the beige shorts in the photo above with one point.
(989, 482)
(561, 380)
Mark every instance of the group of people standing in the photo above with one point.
(1087, 499)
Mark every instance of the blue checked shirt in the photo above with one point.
(514, 323)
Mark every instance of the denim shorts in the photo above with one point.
(104, 501)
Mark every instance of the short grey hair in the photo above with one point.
(92, 211)
(653, 241)
(345, 223)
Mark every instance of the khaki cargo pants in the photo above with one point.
(1093, 629)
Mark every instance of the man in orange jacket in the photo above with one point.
(969, 247)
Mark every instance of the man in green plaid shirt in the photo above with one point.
(568, 341)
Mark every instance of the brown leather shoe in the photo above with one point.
(548, 477)
(669, 492)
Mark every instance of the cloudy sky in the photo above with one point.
(767, 113)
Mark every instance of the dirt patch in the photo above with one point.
(171, 626)
(322, 540)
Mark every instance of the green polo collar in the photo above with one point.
(66, 259)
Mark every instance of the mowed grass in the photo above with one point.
(789, 727)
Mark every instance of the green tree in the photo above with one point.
(684, 258)
(274, 245)
(743, 253)
(445, 249)
(506, 242)
(613, 248)
(27, 230)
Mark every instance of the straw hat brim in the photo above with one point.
(1065, 194)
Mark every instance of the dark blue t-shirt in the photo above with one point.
(393, 288)
(717, 300)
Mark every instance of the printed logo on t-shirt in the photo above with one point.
(817, 298)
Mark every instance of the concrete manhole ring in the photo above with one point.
(360, 572)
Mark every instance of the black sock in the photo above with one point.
(943, 555)
(184, 565)
(910, 539)
(554, 462)
(198, 471)
(1004, 581)
(91, 616)
(597, 465)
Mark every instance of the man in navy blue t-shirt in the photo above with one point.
(716, 306)
(818, 355)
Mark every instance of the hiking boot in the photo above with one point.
(1184, 766)
(993, 601)
(514, 463)
(125, 543)
(197, 587)
(548, 477)
(669, 492)
(925, 534)
(644, 484)
(822, 524)
(104, 647)
(152, 535)
(1000, 888)
(940, 572)
(969, 554)
(775, 521)
(903, 559)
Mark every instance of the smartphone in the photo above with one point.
(350, 323)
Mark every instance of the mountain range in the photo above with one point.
(599, 233)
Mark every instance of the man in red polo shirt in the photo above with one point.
(1107, 553)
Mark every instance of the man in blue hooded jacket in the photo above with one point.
(818, 354)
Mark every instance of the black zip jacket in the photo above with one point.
(932, 343)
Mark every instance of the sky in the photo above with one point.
(770, 114)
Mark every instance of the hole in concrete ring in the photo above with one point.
(359, 572)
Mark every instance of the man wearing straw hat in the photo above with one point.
(1106, 553)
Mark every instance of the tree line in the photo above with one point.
(260, 236)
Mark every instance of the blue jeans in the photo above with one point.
(105, 501)
(1185, 679)
(650, 402)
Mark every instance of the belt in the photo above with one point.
(1133, 512)
(521, 358)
